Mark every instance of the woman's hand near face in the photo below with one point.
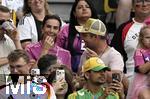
(47, 44)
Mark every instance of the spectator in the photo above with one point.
(142, 62)
(48, 65)
(95, 74)
(50, 28)
(94, 35)
(45, 63)
(9, 41)
(126, 37)
(30, 25)
(64, 86)
(20, 64)
(68, 37)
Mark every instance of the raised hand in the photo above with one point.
(90, 53)
(48, 43)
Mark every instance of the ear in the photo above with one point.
(74, 14)
(42, 31)
(86, 75)
(32, 64)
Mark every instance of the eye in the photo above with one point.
(87, 6)
(56, 27)
(18, 66)
(79, 7)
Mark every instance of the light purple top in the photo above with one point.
(62, 41)
(63, 56)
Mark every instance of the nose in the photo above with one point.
(15, 70)
(51, 29)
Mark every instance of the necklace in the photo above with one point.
(103, 51)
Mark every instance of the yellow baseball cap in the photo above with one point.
(94, 64)
(94, 26)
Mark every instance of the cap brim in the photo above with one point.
(80, 29)
(99, 68)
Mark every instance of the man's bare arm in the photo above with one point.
(3, 61)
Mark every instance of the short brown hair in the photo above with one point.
(17, 54)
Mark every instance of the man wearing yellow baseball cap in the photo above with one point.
(94, 64)
(96, 86)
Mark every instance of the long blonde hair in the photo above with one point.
(27, 9)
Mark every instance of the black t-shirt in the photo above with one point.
(38, 27)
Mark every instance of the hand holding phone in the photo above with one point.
(60, 74)
(116, 76)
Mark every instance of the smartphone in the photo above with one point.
(60, 74)
(83, 45)
(35, 72)
(116, 76)
(8, 25)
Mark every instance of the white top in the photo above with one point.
(6, 46)
(111, 58)
(130, 45)
(27, 28)
(13, 4)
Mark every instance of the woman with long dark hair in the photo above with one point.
(68, 37)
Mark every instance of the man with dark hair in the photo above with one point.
(9, 40)
(96, 86)
(50, 28)
(45, 63)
